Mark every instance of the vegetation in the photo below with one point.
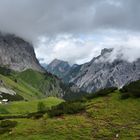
(41, 107)
(30, 84)
(103, 118)
(66, 108)
(101, 93)
(131, 90)
(6, 126)
(5, 71)
(16, 97)
(42, 82)
(100, 115)
(25, 107)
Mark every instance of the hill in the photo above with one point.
(28, 85)
(107, 117)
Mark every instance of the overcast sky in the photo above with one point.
(74, 30)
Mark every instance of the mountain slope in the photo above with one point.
(104, 118)
(100, 73)
(21, 73)
(29, 85)
(17, 54)
(59, 68)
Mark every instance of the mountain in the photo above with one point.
(59, 68)
(21, 75)
(17, 54)
(100, 73)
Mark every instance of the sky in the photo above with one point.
(74, 30)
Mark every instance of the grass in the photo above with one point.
(42, 82)
(104, 118)
(24, 107)
(21, 88)
(31, 84)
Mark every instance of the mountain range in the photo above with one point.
(99, 73)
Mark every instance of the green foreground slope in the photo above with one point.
(105, 118)
(23, 107)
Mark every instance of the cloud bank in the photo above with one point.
(74, 30)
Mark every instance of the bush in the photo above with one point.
(41, 107)
(131, 90)
(125, 95)
(16, 97)
(5, 71)
(66, 108)
(36, 115)
(6, 125)
(102, 92)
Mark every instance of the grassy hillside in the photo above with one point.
(24, 107)
(43, 82)
(104, 118)
(21, 88)
(30, 84)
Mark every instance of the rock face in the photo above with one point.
(17, 54)
(59, 68)
(100, 73)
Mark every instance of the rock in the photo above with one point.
(17, 54)
(117, 135)
(100, 73)
(7, 91)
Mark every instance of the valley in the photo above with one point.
(98, 100)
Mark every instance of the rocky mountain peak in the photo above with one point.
(100, 72)
(58, 67)
(17, 54)
(106, 50)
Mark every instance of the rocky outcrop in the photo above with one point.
(100, 73)
(17, 54)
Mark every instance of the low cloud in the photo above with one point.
(74, 30)
(77, 50)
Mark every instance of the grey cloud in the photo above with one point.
(37, 19)
(33, 18)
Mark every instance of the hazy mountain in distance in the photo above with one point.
(59, 68)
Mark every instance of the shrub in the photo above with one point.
(41, 107)
(16, 97)
(5, 71)
(6, 125)
(131, 90)
(102, 92)
(35, 115)
(66, 108)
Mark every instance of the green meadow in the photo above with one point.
(104, 118)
